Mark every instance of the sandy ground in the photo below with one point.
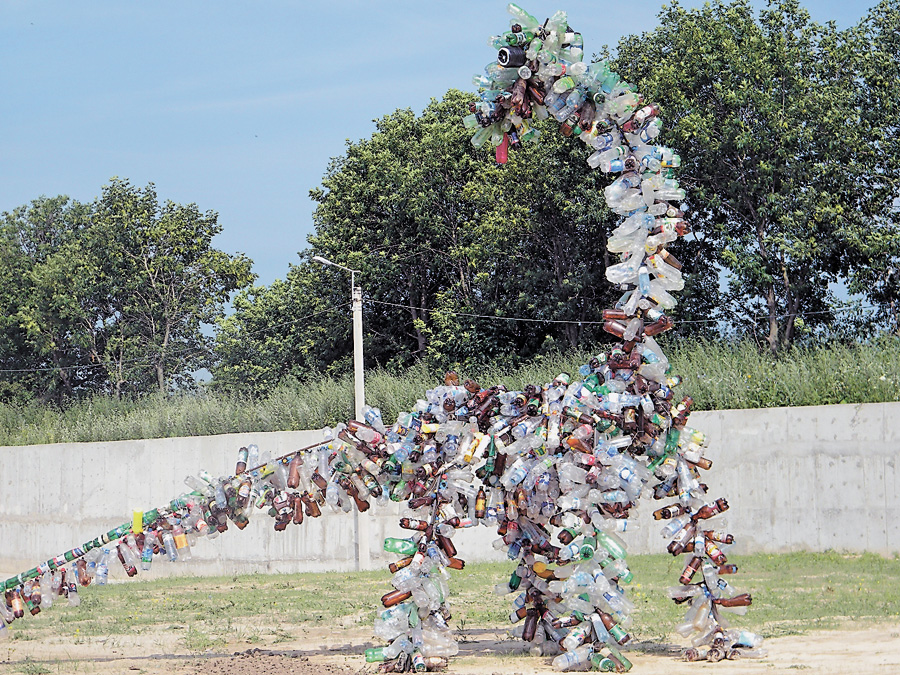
(483, 652)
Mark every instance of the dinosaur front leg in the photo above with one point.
(704, 584)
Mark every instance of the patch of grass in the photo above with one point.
(793, 593)
(201, 641)
(717, 375)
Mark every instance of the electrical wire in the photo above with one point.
(586, 323)
(147, 359)
(188, 350)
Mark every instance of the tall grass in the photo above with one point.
(716, 375)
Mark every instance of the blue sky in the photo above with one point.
(239, 106)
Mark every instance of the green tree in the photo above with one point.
(788, 166)
(47, 314)
(396, 207)
(110, 296)
(439, 232)
(298, 327)
(163, 280)
(878, 42)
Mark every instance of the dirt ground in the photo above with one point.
(482, 652)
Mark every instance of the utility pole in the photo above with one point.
(360, 524)
(363, 557)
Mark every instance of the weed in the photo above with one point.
(33, 668)
(281, 635)
(198, 641)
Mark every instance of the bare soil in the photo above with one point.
(483, 652)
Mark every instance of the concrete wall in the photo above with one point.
(810, 479)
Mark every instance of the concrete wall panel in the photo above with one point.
(812, 478)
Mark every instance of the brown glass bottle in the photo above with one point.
(682, 410)
(683, 539)
(14, 599)
(615, 314)
(447, 545)
(471, 386)
(701, 463)
(615, 630)
(530, 627)
(481, 503)
(710, 510)
(690, 570)
(578, 445)
(671, 511)
(351, 490)
(661, 325)
(718, 536)
(318, 480)
(36, 596)
(312, 506)
(742, 600)
(565, 621)
(294, 472)
(395, 598)
(413, 524)
(395, 567)
(670, 259)
(298, 511)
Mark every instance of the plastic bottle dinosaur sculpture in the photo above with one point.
(556, 467)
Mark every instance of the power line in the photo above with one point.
(189, 350)
(335, 308)
(482, 316)
(586, 323)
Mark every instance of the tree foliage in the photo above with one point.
(109, 296)
(787, 132)
(449, 246)
(791, 160)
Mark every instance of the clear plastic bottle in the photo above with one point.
(102, 573)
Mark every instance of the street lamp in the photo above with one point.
(359, 389)
(361, 524)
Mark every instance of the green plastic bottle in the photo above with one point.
(374, 654)
(611, 544)
(518, 39)
(616, 655)
(601, 663)
(400, 546)
(524, 19)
